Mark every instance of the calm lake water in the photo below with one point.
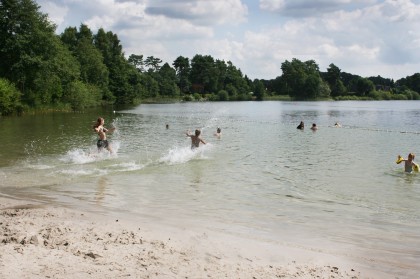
(336, 190)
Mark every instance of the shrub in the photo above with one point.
(188, 98)
(80, 95)
(197, 96)
(223, 95)
(9, 98)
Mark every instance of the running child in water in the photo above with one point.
(409, 164)
(195, 139)
(101, 131)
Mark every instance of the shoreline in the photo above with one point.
(47, 241)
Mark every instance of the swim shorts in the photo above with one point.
(102, 144)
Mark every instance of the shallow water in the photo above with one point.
(337, 190)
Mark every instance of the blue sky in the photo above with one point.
(363, 37)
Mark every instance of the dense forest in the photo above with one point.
(78, 69)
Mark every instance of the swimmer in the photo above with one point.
(218, 132)
(408, 163)
(195, 139)
(314, 127)
(301, 126)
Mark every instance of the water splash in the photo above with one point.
(211, 121)
(115, 124)
(181, 155)
(79, 156)
(35, 147)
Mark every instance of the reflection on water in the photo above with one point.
(337, 187)
(101, 191)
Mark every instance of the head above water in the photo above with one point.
(219, 130)
(100, 121)
(411, 156)
(197, 132)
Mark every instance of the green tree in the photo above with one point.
(167, 81)
(311, 87)
(302, 79)
(279, 86)
(382, 83)
(339, 89)
(232, 92)
(151, 87)
(333, 78)
(324, 89)
(183, 69)
(9, 98)
(411, 82)
(92, 67)
(118, 67)
(259, 90)
(221, 70)
(362, 86)
(203, 72)
(333, 74)
(50, 74)
(30, 52)
(235, 77)
(223, 95)
(153, 63)
(69, 38)
(79, 95)
(93, 70)
(137, 61)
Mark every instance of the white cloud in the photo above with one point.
(310, 8)
(203, 12)
(369, 37)
(55, 12)
(365, 41)
(272, 5)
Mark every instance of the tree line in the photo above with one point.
(79, 69)
(302, 80)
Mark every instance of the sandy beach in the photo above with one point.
(46, 241)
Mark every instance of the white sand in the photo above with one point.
(43, 241)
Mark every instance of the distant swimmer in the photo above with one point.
(301, 126)
(218, 132)
(314, 127)
(337, 125)
(195, 139)
(101, 131)
(409, 164)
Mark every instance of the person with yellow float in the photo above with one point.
(409, 165)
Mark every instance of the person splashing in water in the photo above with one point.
(409, 164)
(195, 139)
(101, 131)
(218, 132)
(301, 126)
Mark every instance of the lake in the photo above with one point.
(335, 190)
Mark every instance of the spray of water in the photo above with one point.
(181, 155)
